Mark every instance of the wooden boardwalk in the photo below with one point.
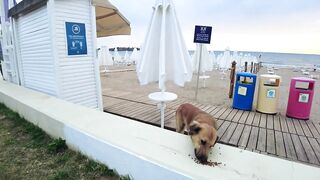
(274, 135)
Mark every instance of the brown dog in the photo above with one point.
(201, 126)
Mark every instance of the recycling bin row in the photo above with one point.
(300, 94)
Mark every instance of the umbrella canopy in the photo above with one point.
(116, 56)
(126, 57)
(109, 20)
(164, 55)
(105, 58)
(135, 56)
(225, 62)
(206, 60)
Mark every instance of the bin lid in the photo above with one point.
(271, 76)
(303, 79)
(246, 74)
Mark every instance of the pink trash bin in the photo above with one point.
(300, 98)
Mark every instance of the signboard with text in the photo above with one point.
(202, 34)
(76, 38)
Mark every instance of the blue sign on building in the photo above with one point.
(202, 34)
(76, 38)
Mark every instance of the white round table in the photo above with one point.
(162, 98)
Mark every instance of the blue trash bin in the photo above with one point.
(244, 91)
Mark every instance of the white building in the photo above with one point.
(54, 46)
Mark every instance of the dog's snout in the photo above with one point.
(203, 142)
(202, 158)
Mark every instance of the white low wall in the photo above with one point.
(140, 150)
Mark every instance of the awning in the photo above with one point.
(109, 20)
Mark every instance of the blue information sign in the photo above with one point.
(76, 38)
(202, 34)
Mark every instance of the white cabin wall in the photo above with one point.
(35, 47)
(77, 74)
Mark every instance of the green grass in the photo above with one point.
(27, 152)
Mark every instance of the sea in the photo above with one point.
(280, 60)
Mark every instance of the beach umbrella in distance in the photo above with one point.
(105, 58)
(126, 58)
(225, 62)
(206, 60)
(214, 59)
(135, 56)
(164, 56)
(116, 56)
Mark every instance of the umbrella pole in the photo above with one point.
(162, 113)
(162, 106)
(198, 73)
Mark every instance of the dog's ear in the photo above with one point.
(194, 128)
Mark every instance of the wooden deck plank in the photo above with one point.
(315, 146)
(256, 119)
(309, 151)
(298, 127)
(271, 146)
(219, 123)
(313, 130)
(276, 123)
(244, 117)
(237, 116)
(305, 129)
(231, 114)
(281, 151)
(252, 143)
(288, 144)
(143, 112)
(243, 141)
(290, 124)
(262, 139)
(225, 114)
(250, 118)
(222, 129)
(108, 101)
(283, 123)
(229, 132)
(215, 111)
(137, 108)
(212, 108)
(220, 112)
(317, 126)
(123, 103)
(237, 134)
(263, 121)
(270, 119)
(301, 154)
(121, 108)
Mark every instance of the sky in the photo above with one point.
(290, 26)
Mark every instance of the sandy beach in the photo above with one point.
(215, 92)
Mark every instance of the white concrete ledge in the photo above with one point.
(139, 150)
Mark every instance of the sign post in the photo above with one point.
(202, 35)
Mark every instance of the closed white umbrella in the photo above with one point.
(105, 58)
(135, 56)
(206, 60)
(126, 57)
(164, 56)
(226, 60)
(116, 56)
(214, 59)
